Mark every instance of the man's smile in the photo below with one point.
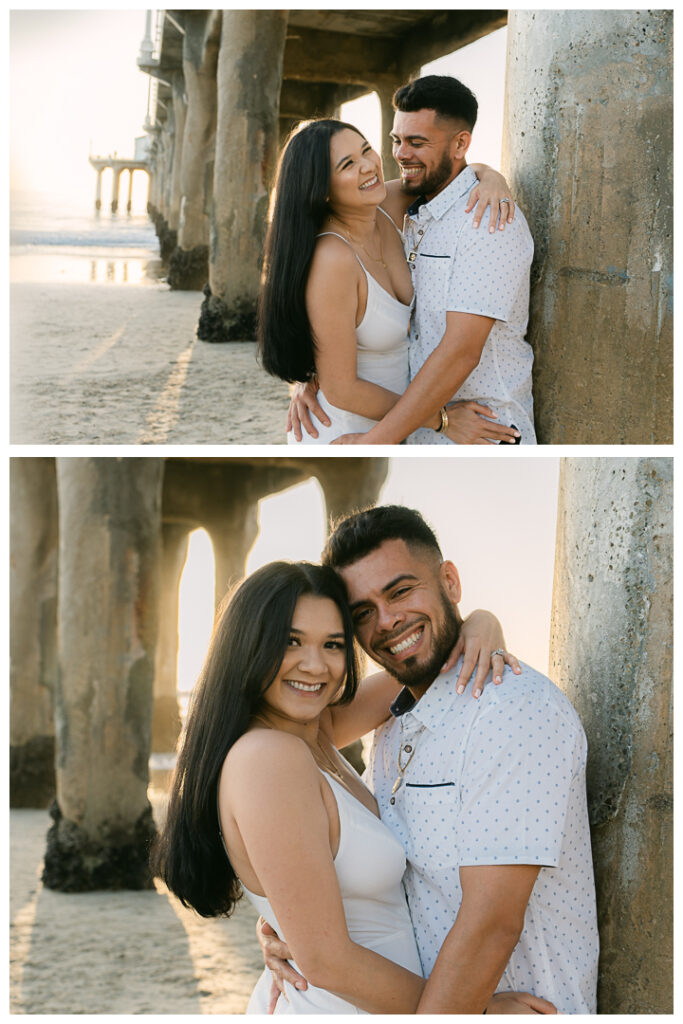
(407, 645)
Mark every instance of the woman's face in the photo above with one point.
(355, 172)
(314, 664)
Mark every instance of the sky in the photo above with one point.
(75, 87)
(495, 518)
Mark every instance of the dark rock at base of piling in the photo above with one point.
(75, 862)
(218, 323)
(188, 270)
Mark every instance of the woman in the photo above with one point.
(262, 800)
(337, 294)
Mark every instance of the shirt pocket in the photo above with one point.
(432, 812)
(435, 273)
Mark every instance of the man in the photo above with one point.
(488, 797)
(467, 337)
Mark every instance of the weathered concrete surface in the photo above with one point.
(248, 80)
(611, 652)
(166, 722)
(189, 263)
(109, 555)
(33, 630)
(588, 150)
(179, 112)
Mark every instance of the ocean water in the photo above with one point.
(53, 240)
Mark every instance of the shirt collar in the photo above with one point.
(442, 201)
(431, 707)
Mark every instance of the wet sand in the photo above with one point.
(120, 952)
(120, 364)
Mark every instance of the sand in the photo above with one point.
(120, 364)
(120, 952)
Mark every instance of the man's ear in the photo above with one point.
(460, 144)
(450, 581)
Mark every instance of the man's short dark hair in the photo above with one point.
(446, 96)
(363, 532)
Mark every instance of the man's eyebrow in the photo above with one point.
(411, 138)
(386, 587)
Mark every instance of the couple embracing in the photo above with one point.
(456, 877)
(399, 319)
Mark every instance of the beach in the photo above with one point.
(103, 352)
(119, 952)
(120, 364)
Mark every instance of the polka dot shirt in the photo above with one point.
(458, 269)
(500, 780)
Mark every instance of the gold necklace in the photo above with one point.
(375, 259)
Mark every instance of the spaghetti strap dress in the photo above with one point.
(369, 865)
(382, 358)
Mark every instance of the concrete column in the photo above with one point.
(249, 76)
(166, 718)
(129, 204)
(168, 236)
(98, 191)
(115, 183)
(385, 91)
(109, 555)
(189, 266)
(350, 484)
(175, 189)
(33, 629)
(232, 537)
(588, 151)
(611, 652)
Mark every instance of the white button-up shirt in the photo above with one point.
(500, 780)
(463, 270)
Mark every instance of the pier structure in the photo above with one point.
(118, 165)
(229, 85)
(248, 77)
(97, 550)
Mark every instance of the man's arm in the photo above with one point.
(477, 948)
(443, 373)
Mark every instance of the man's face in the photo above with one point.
(429, 152)
(404, 606)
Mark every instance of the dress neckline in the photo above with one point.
(403, 305)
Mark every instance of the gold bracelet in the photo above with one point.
(444, 421)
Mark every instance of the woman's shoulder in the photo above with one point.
(264, 748)
(263, 768)
(333, 255)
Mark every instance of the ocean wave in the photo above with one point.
(142, 237)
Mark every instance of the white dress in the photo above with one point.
(370, 863)
(382, 358)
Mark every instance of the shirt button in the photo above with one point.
(393, 800)
(407, 748)
(420, 232)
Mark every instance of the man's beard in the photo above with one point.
(413, 671)
(434, 181)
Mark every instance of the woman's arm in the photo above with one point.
(285, 828)
(480, 635)
(491, 188)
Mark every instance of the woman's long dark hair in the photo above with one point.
(246, 651)
(286, 343)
